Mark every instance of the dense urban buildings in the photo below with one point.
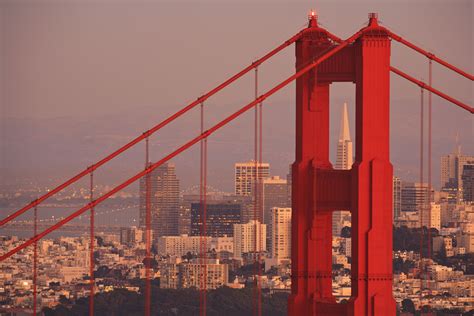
(178, 274)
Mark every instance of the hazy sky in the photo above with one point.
(80, 78)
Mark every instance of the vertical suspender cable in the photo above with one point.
(35, 261)
(423, 201)
(256, 197)
(202, 205)
(91, 248)
(204, 216)
(260, 195)
(429, 162)
(148, 232)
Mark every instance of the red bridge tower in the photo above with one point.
(365, 190)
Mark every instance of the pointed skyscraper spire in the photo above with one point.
(344, 144)
(344, 132)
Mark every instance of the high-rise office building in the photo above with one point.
(414, 196)
(249, 237)
(248, 178)
(164, 200)
(289, 180)
(468, 183)
(245, 175)
(220, 218)
(344, 160)
(344, 157)
(275, 194)
(281, 233)
(184, 219)
(452, 167)
(397, 197)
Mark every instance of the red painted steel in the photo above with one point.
(203, 232)
(148, 235)
(257, 216)
(152, 130)
(431, 89)
(35, 262)
(369, 181)
(431, 56)
(429, 154)
(367, 191)
(184, 147)
(91, 253)
(421, 179)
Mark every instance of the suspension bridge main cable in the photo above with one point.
(187, 145)
(154, 129)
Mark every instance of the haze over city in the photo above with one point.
(80, 79)
(313, 157)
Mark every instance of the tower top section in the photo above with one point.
(313, 18)
(373, 19)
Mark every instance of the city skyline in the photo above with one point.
(380, 220)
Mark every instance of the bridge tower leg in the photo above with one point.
(311, 229)
(365, 190)
(371, 200)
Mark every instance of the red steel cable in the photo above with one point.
(431, 56)
(148, 231)
(154, 129)
(423, 202)
(91, 254)
(35, 262)
(203, 243)
(260, 203)
(421, 83)
(431, 89)
(257, 294)
(204, 226)
(430, 64)
(187, 145)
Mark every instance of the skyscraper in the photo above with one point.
(249, 237)
(221, 216)
(397, 197)
(414, 196)
(164, 201)
(468, 183)
(452, 167)
(245, 175)
(344, 157)
(281, 233)
(344, 160)
(275, 194)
